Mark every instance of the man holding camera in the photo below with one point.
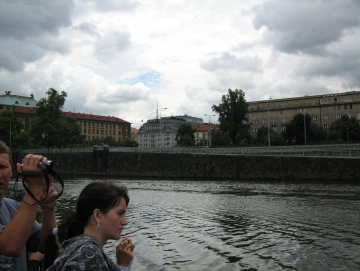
(18, 229)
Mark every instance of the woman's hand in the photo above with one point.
(124, 252)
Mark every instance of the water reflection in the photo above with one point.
(238, 225)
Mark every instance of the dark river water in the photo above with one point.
(237, 225)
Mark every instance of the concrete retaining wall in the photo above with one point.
(194, 166)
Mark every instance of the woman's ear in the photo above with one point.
(97, 214)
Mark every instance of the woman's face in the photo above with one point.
(113, 222)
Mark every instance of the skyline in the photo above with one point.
(122, 58)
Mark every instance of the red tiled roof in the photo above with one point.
(78, 116)
(134, 130)
(206, 127)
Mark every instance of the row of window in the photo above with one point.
(97, 124)
(266, 105)
(102, 132)
(284, 120)
(301, 110)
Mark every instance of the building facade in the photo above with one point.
(323, 109)
(162, 132)
(203, 133)
(92, 126)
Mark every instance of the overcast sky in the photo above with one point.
(122, 58)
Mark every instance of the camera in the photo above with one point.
(41, 164)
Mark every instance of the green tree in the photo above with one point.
(130, 143)
(70, 132)
(317, 133)
(275, 139)
(294, 132)
(186, 135)
(219, 138)
(345, 129)
(9, 122)
(233, 111)
(202, 142)
(22, 141)
(262, 136)
(46, 127)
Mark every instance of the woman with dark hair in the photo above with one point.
(99, 216)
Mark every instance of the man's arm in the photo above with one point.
(48, 219)
(16, 233)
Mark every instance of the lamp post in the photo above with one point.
(210, 128)
(10, 130)
(305, 127)
(160, 126)
(268, 120)
(347, 135)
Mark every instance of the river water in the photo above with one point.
(237, 225)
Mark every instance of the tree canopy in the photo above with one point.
(9, 122)
(233, 118)
(295, 130)
(345, 129)
(219, 138)
(185, 134)
(48, 128)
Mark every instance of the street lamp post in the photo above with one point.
(10, 130)
(305, 127)
(210, 128)
(268, 121)
(347, 135)
(160, 126)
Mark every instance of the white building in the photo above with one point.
(162, 132)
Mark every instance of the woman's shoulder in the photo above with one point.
(81, 253)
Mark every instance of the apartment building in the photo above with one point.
(92, 126)
(162, 132)
(323, 109)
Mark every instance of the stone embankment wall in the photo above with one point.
(192, 166)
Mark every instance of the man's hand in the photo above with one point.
(36, 184)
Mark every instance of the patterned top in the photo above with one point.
(82, 253)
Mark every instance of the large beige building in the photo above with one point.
(92, 126)
(324, 109)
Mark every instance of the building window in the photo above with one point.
(326, 125)
(326, 117)
(255, 130)
(255, 121)
(314, 117)
(283, 128)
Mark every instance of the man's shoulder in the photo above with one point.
(10, 204)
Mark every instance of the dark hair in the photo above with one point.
(5, 149)
(96, 195)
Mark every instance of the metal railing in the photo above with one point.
(336, 150)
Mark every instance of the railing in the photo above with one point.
(338, 150)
